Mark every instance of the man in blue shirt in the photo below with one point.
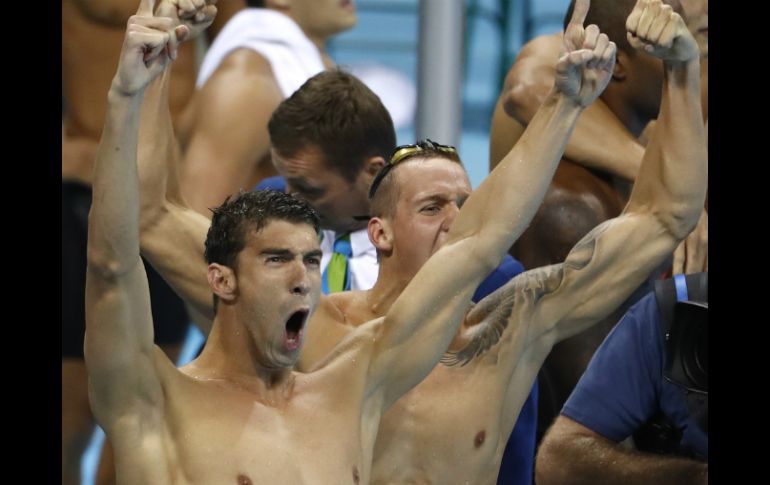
(626, 391)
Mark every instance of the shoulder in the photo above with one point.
(243, 80)
(244, 61)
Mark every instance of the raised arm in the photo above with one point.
(547, 305)
(119, 351)
(527, 85)
(229, 146)
(423, 320)
(172, 234)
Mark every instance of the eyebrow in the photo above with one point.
(286, 252)
(443, 198)
(301, 184)
(433, 198)
(277, 252)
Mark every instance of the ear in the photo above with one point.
(223, 282)
(622, 64)
(380, 234)
(372, 166)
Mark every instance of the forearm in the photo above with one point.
(172, 236)
(158, 153)
(174, 245)
(577, 459)
(113, 229)
(673, 177)
(507, 199)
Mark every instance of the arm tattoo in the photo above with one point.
(495, 311)
(584, 250)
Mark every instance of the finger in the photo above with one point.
(648, 16)
(635, 42)
(173, 43)
(152, 23)
(186, 9)
(176, 37)
(562, 64)
(157, 65)
(659, 23)
(632, 22)
(592, 35)
(146, 8)
(205, 15)
(573, 37)
(669, 32)
(701, 248)
(679, 253)
(151, 43)
(580, 11)
(580, 57)
(608, 58)
(602, 44)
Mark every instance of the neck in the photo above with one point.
(391, 281)
(231, 355)
(320, 42)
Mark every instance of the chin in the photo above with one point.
(346, 21)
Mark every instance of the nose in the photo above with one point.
(451, 215)
(300, 282)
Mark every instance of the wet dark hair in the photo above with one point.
(251, 211)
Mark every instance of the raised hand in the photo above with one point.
(656, 29)
(196, 15)
(147, 47)
(587, 59)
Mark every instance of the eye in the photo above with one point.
(431, 209)
(308, 193)
(313, 261)
(276, 259)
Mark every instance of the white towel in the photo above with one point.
(293, 58)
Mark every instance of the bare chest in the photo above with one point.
(228, 437)
(445, 429)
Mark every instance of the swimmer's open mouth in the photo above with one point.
(294, 326)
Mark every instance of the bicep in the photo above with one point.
(601, 271)
(229, 137)
(119, 349)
